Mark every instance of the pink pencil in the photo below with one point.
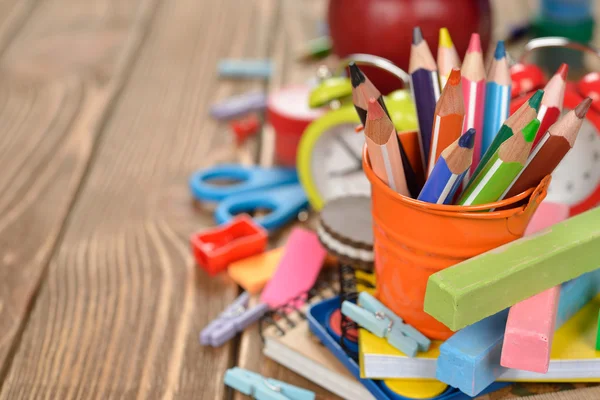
(473, 85)
(530, 326)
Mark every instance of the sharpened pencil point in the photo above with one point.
(563, 71)
(530, 130)
(474, 44)
(536, 99)
(454, 77)
(445, 39)
(583, 107)
(356, 75)
(500, 50)
(467, 140)
(374, 110)
(417, 35)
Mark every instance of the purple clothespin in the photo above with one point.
(232, 320)
(239, 105)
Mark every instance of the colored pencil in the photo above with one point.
(550, 150)
(502, 168)
(448, 119)
(552, 102)
(497, 96)
(449, 170)
(447, 57)
(382, 145)
(363, 90)
(425, 89)
(516, 122)
(473, 85)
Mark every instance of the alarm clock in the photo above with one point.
(576, 180)
(329, 159)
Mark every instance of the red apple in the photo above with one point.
(384, 28)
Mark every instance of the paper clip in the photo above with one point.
(261, 388)
(382, 322)
(232, 320)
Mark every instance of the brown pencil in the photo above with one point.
(550, 150)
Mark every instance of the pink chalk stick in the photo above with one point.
(530, 326)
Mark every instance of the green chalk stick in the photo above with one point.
(598, 334)
(486, 284)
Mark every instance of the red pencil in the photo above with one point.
(552, 102)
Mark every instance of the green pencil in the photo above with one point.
(516, 122)
(502, 168)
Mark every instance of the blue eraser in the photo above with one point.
(245, 68)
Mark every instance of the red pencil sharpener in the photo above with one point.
(245, 127)
(214, 249)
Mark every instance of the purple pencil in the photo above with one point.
(425, 89)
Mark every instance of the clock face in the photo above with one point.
(336, 163)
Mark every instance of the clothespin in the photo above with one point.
(382, 322)
(261, 388)
(232, 320)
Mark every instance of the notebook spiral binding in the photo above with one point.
(288, 315)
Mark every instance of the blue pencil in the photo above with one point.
(497, 97)
(449, 170)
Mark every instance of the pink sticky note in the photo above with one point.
(530, 326)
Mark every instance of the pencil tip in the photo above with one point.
(445, 39)
(536, 99)
(454, 77)
(583, 107)
(474, 44)
(530, 130)
(563, 70)
(374, 110)
(356, 75)
(417, 35)
(467, 140)
(500, 50)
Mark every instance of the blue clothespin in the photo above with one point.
(382, 322)
(261, 388)
(232, 320)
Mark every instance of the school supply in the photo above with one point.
(448, 118)
(253, 273)
(449, 171)
(552, 102)
(598, 334)
(245, 128)
(296, 274)
(276, 189)
(473, 87)
(501, 169)
(497, 96)
(382, 322)
(238, 105)
(552, 147)
(261, 388)
(447, 57)
(316, 49)
(239, 68)
(425, 88)
(215, 248)
(531, 323)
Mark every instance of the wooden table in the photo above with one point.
(103, 116)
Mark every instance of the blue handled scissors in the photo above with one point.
(276, 189)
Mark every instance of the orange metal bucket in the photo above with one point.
(414, 239)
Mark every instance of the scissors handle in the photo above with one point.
(284, 202)
(247, 179)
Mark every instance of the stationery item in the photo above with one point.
(598, 334)
(239, 68)
(515, 123)
(276, 189)
(497, 96)
(345, 230)
(382, 322)
(239, 105)
(245, 128)
(316, 49)
(552, 102)
(473, 87)
(261, 388)
(447, 57)
(425, 89)
(449, 116)
(501, 169)
(215, 248)
(254, 272)
(296, 274)
(482, 286)
(550, 150)
(449, 171)
(382, 145)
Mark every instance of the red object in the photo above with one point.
(214, 249)
(335, 322)
(289, 115)
(589, 85)
(245, 127)
(384, 28)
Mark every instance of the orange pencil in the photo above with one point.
(448, 118)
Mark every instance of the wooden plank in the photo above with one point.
(48, 127)
(123, 303)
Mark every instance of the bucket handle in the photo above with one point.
(517, 223)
